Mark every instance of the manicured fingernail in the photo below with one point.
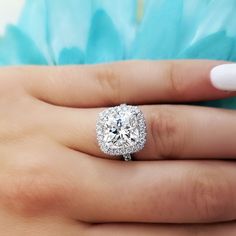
(223, 77)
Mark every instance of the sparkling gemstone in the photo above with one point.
(121, 130)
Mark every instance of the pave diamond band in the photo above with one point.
(121, 130)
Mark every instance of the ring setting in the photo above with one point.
(121, 130)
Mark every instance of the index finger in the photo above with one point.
(133, 82)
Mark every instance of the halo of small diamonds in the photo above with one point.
(121, 130)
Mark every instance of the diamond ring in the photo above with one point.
(121, 130)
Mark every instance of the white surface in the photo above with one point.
(9, 12)
(223, 77)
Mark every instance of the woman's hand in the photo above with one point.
(54, 180)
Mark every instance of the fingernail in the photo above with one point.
(223, 77)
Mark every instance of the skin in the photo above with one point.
(54, 180)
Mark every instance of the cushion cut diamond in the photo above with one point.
(121, 130)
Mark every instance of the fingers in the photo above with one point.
(110, 84)
(170, 192)
(180, 132)
(42, 178)
(228, 229)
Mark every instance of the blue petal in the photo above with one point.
(55, 25)
(219, 15)
(71, 56)
(193, 12)
(216, 46)
(104, 43)
(16, 48)
(158, 34)
(232, 56)
(123, 14)
(34, 23)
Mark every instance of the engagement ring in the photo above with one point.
(121, 130)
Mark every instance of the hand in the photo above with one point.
(54, 180)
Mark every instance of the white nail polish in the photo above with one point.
(223, 77)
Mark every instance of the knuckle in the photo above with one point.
(176, 81)
(31, 190)
(109, 82)
(209, 195)
(166, 132)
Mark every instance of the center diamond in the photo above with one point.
(121, 130)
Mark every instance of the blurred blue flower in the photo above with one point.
(59, 32)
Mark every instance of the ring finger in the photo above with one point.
(173, 131)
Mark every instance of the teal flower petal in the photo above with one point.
(158, 34)
(123, 14)
(232, 56)
(104, 42)
(34, 23)
(216, 46)
(16, 48)
(71, 56)
(69, 22)
(218, 16)
(193, 12)
(57, 24)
